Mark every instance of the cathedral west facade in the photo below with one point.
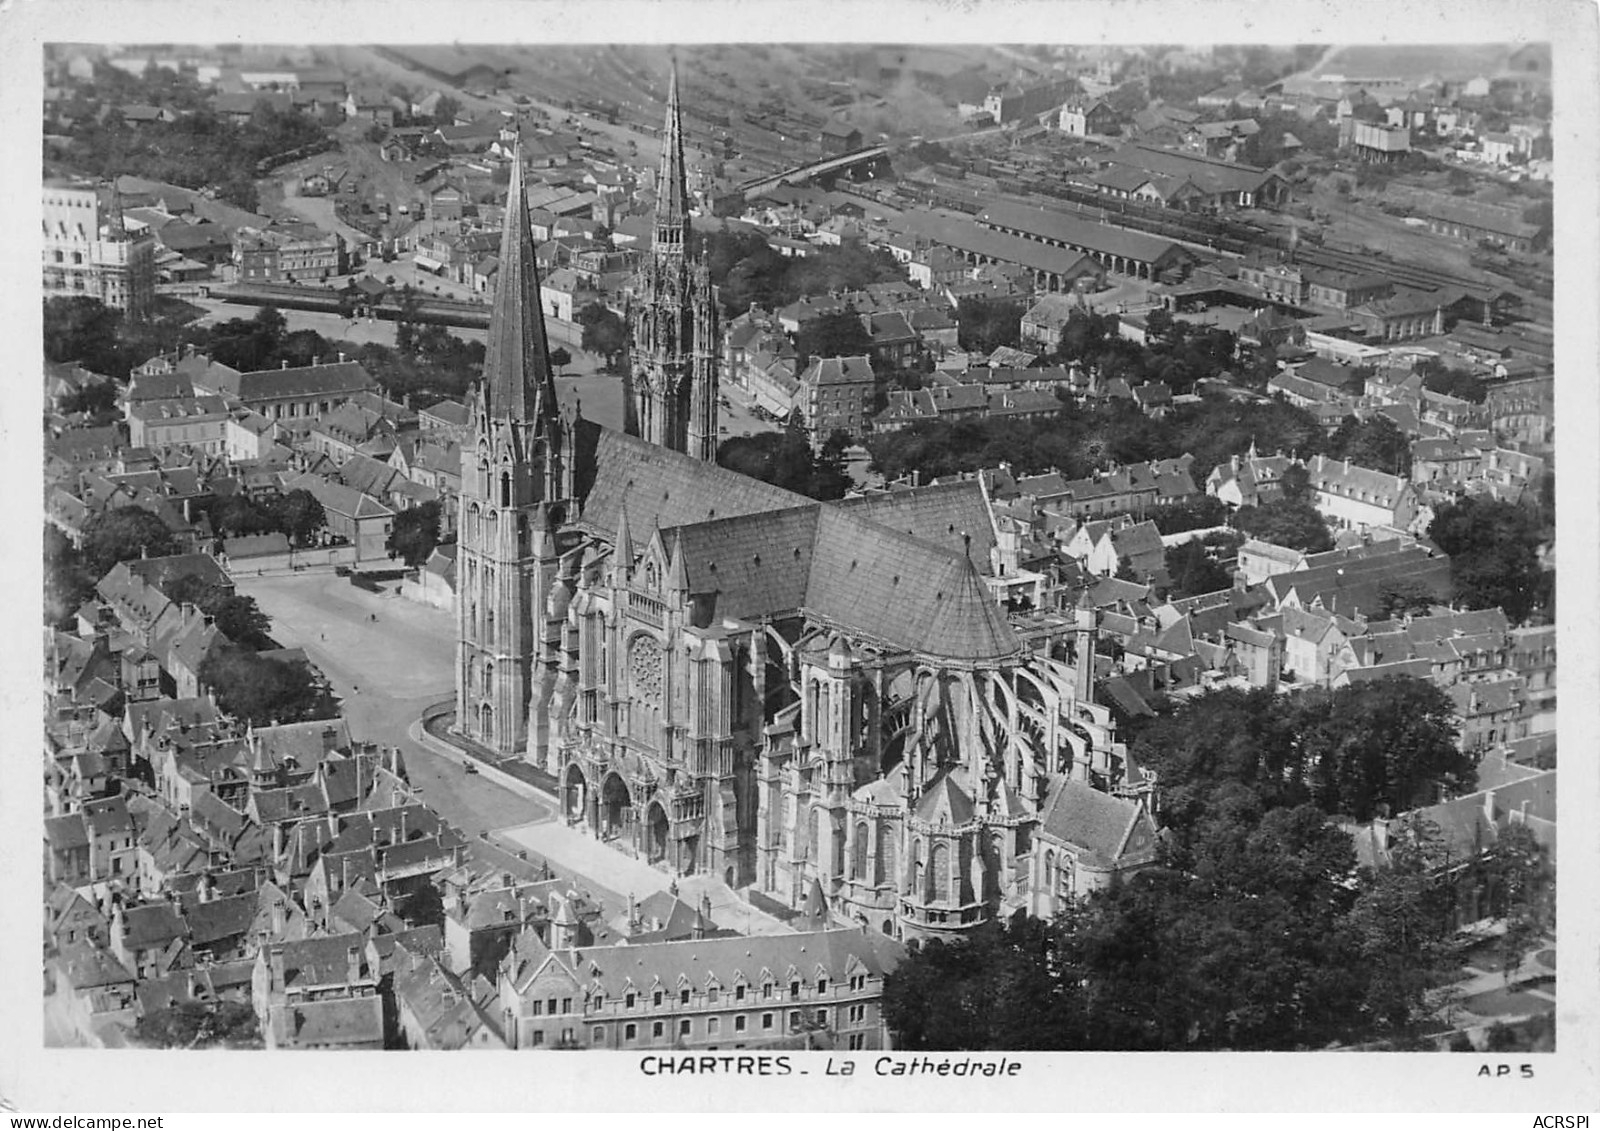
(725, 677)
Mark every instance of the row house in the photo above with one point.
(760, 991)
(1353, 497)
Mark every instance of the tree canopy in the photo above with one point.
(1297, 525)
(415, 533)
(121, 534)
(1193, 571)
(1374, 443)
(986, 324)
(604, 332)
(747, 270)
(785, 459)
(839, 334)
(264, 691)
(1494, 557)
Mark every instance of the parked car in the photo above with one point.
(470, 767)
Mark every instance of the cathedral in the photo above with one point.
(819, 700)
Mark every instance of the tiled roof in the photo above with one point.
(664, 488)
(333, 1022)
(837, 952)
(855, 574)
(971, 236)
(87, 966)
(904, 592)
(338, 498)
(1105, 826)
(1358, 586)
(838, 371)
(66, 831)
(152, 925)
(301, 381)
(948, 515)
(323, 961)
(1070, 230)
(944, 802)
(218, 919)
(1208, 174)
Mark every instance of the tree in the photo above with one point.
(783, 459)
(1402, 598)
(240, 619)
(1462, 384)
(1296, 483)
(121, 534)
(1521, 882)
(263, 691)
(560, 358)
(415, 533)
(1284, 523)
(445, 111)
(236, 616)
(84, 330)
(1387, 743)
(604, 333)
(99, 401)
(298, 514)
(1195, 514)
(1374, 443)
(67, 582)
(829, 478)
(250, 344)
(1494, 559)
(986, 324)
(840, 334)
(196, 1024)
(1400, 929)
(1193, 571)
(236, 515)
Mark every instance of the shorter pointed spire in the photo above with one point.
(622, 552)
(677, 572)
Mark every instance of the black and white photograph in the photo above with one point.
(777, 553)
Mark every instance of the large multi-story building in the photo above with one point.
(289, 257)
(726, 677)
(763, 991)
(89, 252)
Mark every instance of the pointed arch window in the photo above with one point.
(858, 862)
(939, 872)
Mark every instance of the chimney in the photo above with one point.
(353, 956)
(1488, 805)
(275, 957)
(283, 363)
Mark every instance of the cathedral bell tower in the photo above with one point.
(511, 479)
(672, 380)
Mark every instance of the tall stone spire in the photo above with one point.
(671, 387)
(672, 188)
(518, 383)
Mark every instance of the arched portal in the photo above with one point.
(615, 805)
(574, 795)
(656, 827)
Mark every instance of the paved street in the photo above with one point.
(385, 672)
